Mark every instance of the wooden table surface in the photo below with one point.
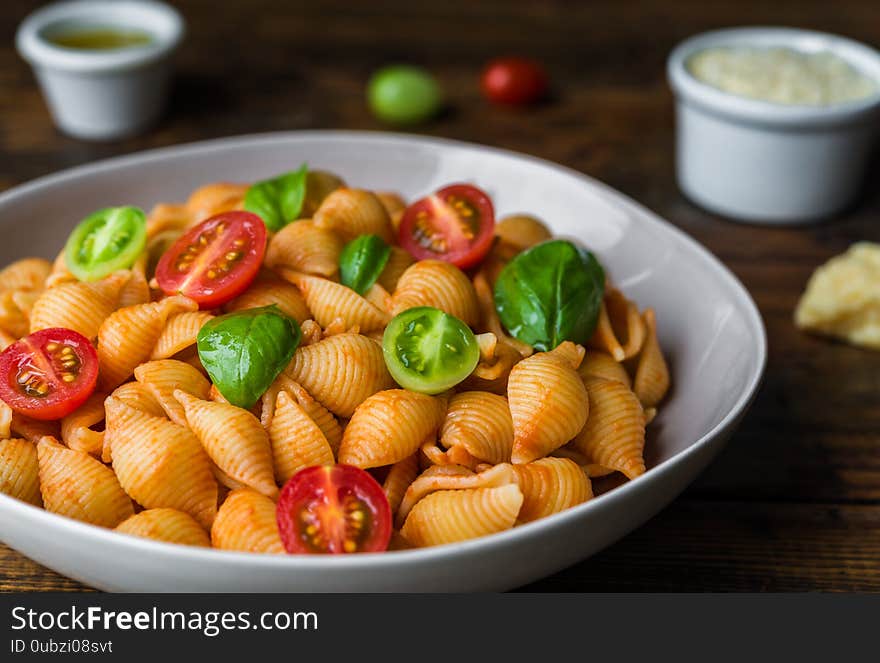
(793, 504)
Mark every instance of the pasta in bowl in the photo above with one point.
(383, 334)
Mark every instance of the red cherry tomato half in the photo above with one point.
(455, 224)
(216, 260)
(333, 509)
(48, 374)
(514, 81)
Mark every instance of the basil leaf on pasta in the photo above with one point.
(278, 200)
(362, 261)
(550, 293)
(245, 351)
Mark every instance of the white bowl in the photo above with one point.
(109, 94)
(764, 162)
(708, 325)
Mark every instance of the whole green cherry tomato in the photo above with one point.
(403, 94)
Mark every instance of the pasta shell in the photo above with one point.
(77, 427)
(614, 435)
(453, 477)
(161, 464)
(234, 439)
(20, 471)
(400, 476)
(652, 374)
(297, 441)
(521, 231)
(603, 365)
(489, 320)
(330, 301)
(169, 525)
(181, 331)
(6, 339)
(127, 337)
(304, 247)
(25, 274)
(319, 185)
(548, 402)
(354, 212)
(620, 330)
(341, 371)
(165, 218)
(438, 284)
(164, 376)
(388, 427)
(215, 198)
(392, 202)
(78, 306)
(449, 516)
(59, 274)
(399, 261)
(246, 521)
(551, 485)
(75, 485)
(137, 289)
(34, 429)
(285, 296)
(15, 310)
(479, 422)
(5, 421)
(137, 396)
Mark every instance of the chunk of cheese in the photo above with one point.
(843, 297)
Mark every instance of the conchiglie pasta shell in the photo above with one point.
(34, 429)
(5, 421)
(303, 247)
(551, 485)
(388, 427)
(166, 218)
(285, 296)
(59, 273)
(319, 185)
(614, 435)
(161, 464)
(620, 330)
(331, 302)
(212, 199)
(354, 212)
(399, 260)
(164, 376)
(341, 371)
(79, 306)
(479, 422)
(169, 525)
(25, 274)
(392, 202)
(76, 431)
(438, 284)
(75, 485)
(20, 471)
(246, 522)
(15, 308)
(652, 374)
(399, 478)
(602, 365)
(548, 402)
(138, 397)
(181, 331)
(234, 439)
(137, 289)
(6, 339)
(521, 231)
(127, 336)
(296, 440)
(449, 516)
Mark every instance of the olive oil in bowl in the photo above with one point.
(99, 38)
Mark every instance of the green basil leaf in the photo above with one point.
(245, 351)
(279, 200)
(362, 261)
(550, 293)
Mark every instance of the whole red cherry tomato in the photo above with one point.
(514, 81)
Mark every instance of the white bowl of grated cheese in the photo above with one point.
(774, 125)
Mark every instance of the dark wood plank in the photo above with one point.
(793, 502)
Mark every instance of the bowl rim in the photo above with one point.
(101, 535)
(689, 89)
(164, 23)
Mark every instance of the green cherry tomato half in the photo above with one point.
(428, 350)
(402, 94)
(108, 240)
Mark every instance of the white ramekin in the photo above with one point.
(763, 162)
(102, 95)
